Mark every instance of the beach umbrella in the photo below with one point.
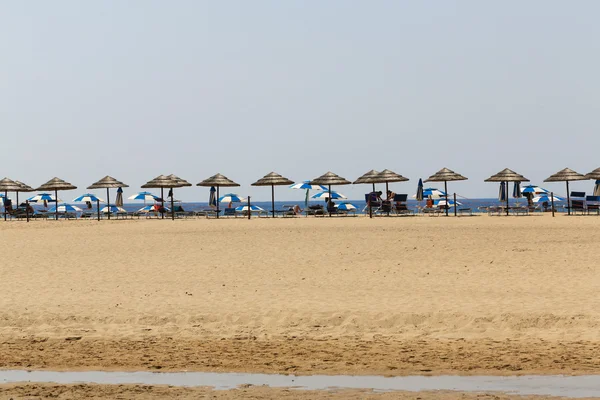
(547, 198)
(273, 179)
(597, 188)
(231, 198)
(43, 197)
(111, 208)
(566, 175)
(305, 185)
(444, 202)
(161, 182)
(88, 198)
(420, 193)
(218, 181)
(119, 199)
(504, 177)
(252, 208)
(8, 185)
(23, 188)
(434, 193)
(346, 207)
(595, 175)
(151, 208)
(517, 190)
(328, 179)
(145, 196)
(212, 197)
(502, 196)
(64, 208)
(370, 177)
(445, 175)
(56, 184)
(107, 183)
(534, 189)
(325, 195)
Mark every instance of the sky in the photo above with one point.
(136, 89)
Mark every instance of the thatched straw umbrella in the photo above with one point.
(328, 179)
(566, 175)
(218, 180)
(371, 177)
(107, 183)
(595, 174)
(181, 181)
(8, 185)
(445, 175)
(389, 177)
(273, 179)
(162, 182)
(507, 175)
(56, 184)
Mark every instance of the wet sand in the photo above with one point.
(392, 296)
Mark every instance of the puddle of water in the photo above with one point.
(546, 385)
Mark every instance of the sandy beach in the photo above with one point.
(391, 296)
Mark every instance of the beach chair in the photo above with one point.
(577, 202)
(400, 206)
(592, 204)
(371, 199)
(229, 212)
(315, 210)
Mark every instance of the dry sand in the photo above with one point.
(342, 295)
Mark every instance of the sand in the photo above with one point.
(390, 296)
(143, 392)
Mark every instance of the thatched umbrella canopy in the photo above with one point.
(507, 175)
(181, 181)
(371, 177)
(107, 183)
(388, 177)
(218, 180)
(446, 175)
(56, 184)
(595, 174)
(273, 179)
(8, 185)
(328, 179)
(566, 175)
(162, 182)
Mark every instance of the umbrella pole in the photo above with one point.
(218, 201)
(387, 189)
(249, 208)
(273, 199)
(172, 205)
(27, 209)
(162, 206)
(455, 214)
(98, 208)
(370, 198)
(329, 200)
(506, 192)
(552, 201)
(108, 201)
(5, 198)
(56, 203)
(568, 199)
(17, 194)
(446, 191)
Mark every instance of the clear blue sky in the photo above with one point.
(134, 89)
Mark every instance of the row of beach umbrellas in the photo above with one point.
(325, 181)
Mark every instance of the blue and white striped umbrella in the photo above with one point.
(145, 196)
(346, 207)
(443, 202)
(502, 196)
(84, 198)
(252, 208)
(231, 198)
(534, 189)
(548, 198)
(113, 209)
(40, 197)
(433, 192)
(65, 208)
(307, 186)
(325, 195)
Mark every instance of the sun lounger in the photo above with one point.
(229, 212)
(316, 210)
(593, 204)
